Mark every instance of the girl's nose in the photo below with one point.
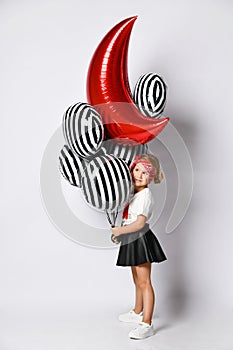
(140, 174)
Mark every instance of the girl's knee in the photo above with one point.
(136, 281)
(144, 284)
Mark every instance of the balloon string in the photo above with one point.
(112, 223)
(113, 238)
(109, 220)
(115, 217)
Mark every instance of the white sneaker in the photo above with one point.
(131, 316)
(143, 330)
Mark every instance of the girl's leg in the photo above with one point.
(144, 282)
(138, 293)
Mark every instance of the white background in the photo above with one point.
(54, 292)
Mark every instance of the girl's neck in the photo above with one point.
(138, 189)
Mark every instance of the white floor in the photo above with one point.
(61, 328)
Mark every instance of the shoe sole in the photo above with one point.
(134, 338)
(135, 322)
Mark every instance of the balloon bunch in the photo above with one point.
(104, 135)
(100, 168)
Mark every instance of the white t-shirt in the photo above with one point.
(140, 204)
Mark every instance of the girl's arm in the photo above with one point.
(133, 227)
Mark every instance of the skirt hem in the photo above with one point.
(141, 263)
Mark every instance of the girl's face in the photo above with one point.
(140, 177)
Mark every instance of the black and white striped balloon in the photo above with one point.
(83, 129)
(71, 166)
(106, 183)
(125, 152)
(150, 95)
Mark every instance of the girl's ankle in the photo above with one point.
(137, 312)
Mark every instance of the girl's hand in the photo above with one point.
(114, 239)
(116, 231)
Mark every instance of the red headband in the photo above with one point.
(147, 165)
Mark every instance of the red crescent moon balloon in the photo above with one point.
(108, 90)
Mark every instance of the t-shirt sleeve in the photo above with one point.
(142, 205)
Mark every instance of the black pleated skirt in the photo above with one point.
(139, 247)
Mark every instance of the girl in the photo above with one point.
(139, 246)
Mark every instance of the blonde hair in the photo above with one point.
(156, 165)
